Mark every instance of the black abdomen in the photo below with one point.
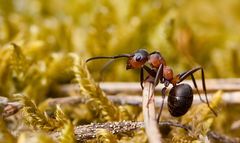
(180, 99)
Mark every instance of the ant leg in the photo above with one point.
(205, 91)
(150, 71)
(155, 52)
(153, 73)
(158, 76)
(190, 72)
(161, 108)
(141, 77)
(194, 83)
(104, 68)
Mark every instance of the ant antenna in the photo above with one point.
(110, 57)
(103, 69)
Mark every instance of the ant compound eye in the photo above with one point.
(138, 58)
(141, 55)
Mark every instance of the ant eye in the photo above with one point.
(138, 58)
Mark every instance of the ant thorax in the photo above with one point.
(156, 60)
(167, 73)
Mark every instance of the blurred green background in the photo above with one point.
(187, 33)
(38, 37)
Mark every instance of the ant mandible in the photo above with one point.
(180, 96)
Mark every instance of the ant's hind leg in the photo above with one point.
(195, 85)
(190, 72)
(183, 75)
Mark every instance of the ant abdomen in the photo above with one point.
(180, 99)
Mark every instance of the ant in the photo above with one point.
(180, 95)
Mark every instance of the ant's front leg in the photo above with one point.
(157, 76)
(150, 71)
(141, 77)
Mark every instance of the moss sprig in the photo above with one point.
(5, 134)
(5, 71)
(98, 101)
(104, 136)
(36, 137)
(37, 119)
(67, 132)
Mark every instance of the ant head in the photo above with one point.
(138, 59)
(156, 59)
(135, 60)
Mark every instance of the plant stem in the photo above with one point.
(151, 126)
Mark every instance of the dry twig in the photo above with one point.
(213, 85)
(87, 132)
(148, 107)
(9, 108)
(222, 138)
(228, 97)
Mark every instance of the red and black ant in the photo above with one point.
(181, 94)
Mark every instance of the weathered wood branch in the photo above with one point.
(87, 132)
(11, 108)
(221, 138)
(229, 97)
(111, 88)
